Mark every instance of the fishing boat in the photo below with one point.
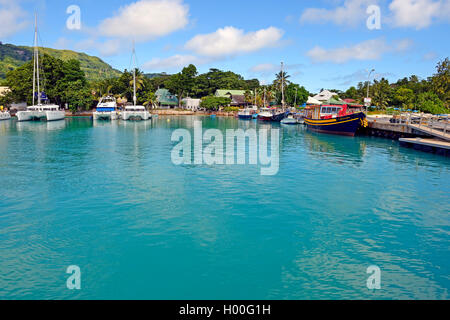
(290, 120)
(300, 120)
(106, 109)
(335, 119)
(265, 114)
(39, 111)
(135, 112)
(246, 114)
(274, 115)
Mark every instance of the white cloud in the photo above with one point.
(264, 67)
(174, 62)
(351, 13)
(418, 14)
(269, 68)
(12, 18)
(366, 50)
(146, 19)
(230, 41)
(429, 56)
(63, 43)
(108, 48)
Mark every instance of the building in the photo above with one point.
(325, 95)
(165, 99)
(237, 97)
(191, 104)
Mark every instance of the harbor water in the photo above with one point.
(107, 197)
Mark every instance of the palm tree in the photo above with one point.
(140, 81)
(279, 76)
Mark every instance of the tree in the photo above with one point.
(429, 102)
(352, 93)
(404, 97)
(441, 81)
(296, 95)
(281, 78)
(78, 96)
(63, 82)
(181, 83)
(382, 93)
(214, 103)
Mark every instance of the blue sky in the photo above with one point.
(324, 44)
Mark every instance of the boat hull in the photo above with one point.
(105, 116)
(245, 116)
(279, 117)
(39, 115)
(274, 117)
(135, 115)
(289, 121)
(345, 126)
(5, 116)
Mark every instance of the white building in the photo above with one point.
(325, 95)
(191, 104)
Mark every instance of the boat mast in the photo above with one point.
(255, 96)
(134, 75)
(282, 85)
(264, 97)
(36, 60)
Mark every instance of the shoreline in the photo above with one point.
(164, 113)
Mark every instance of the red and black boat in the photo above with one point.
(335, 119)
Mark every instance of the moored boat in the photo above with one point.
(5, 115)
(290, 120)
(49, 112)
(246, 114)
(39, 111)
(265, 114)
(135, 112)
(274, 115)
(335, 119)
(106, 109)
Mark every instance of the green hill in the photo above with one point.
(12, 56)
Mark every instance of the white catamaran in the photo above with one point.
(135, 112)
(49, 112)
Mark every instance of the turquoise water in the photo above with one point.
(107, 198)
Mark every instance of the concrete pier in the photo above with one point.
(427, 145)
(413, 131)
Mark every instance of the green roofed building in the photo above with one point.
(229, 93)
(165, 99)
(237, 97)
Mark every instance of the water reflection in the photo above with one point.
(40, 126)
(334, 148)
(5, 126)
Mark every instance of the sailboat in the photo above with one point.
(247, 113)
(49, 112)
(135, 112)
(274, 114)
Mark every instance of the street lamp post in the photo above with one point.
(368, 82)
